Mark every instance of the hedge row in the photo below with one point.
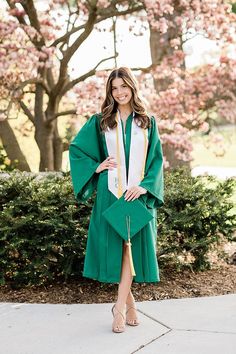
(43, 230)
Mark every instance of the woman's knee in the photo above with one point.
(125, 251)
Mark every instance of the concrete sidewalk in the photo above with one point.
(204, 325)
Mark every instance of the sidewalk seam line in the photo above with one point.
(151, 341)
(201, 330)
(154, 319)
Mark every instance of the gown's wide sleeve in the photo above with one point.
(153, 179)
(85, 157)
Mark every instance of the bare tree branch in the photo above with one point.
(144, 70)
(34, 80)
(65, 37)
(64, 113)
(91, 72)
(108, 14)
(114, 19)
(27, 111)
(88, 29)
(68, 26)
(70, 51)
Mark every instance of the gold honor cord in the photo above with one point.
(145, 153)
(120, 191)
(129, 244)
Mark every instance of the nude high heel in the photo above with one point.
(133, 322)
(119, 328)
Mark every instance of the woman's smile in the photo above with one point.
(121, 92)
(123, 99)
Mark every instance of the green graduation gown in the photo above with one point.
(104, 247)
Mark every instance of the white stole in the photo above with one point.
(117, 180)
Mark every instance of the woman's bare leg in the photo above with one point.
(123, 289)
(131, 315)
(130, 299)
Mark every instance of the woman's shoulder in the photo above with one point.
(152, 117)
(91, 124)
(152, 120)
(89, 129)
(93, 120)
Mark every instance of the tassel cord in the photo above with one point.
(129, 244)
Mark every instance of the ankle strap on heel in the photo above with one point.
(118, 312)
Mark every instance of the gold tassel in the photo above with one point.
(129, 244)
(145, 153)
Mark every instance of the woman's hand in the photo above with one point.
(134, 193)
(107, 164)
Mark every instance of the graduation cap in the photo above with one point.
(127, 218)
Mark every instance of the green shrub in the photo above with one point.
(197, 213)
(43, 231)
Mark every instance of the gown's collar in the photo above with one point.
(133, 114)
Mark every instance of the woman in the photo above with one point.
(118, 153)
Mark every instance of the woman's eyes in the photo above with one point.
(113, 88)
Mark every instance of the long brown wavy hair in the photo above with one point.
(109, 106)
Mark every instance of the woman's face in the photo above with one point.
(121, 92)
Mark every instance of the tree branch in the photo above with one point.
(92, 72)
(69, 53)
(27, 111)
(72, 49)
(144, 70)
(34, 80)
(64, 113)
(66, 36)
(30, 9)
(109, 14)
(72, 83)
(31, 12)
(20, 19)
(114, 38)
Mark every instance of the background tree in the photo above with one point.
(35, 54)
(184, 99)
(40, 51)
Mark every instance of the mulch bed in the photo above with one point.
(218, 281)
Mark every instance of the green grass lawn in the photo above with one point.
(203, 156)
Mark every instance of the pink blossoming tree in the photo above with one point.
(35, 54)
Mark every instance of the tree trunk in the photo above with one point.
(44, 138)
(57, 148)
(159, 50)
(12, 146)
(47, 135)
(50, 147)
(46, 132)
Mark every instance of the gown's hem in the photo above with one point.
(115, 280)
